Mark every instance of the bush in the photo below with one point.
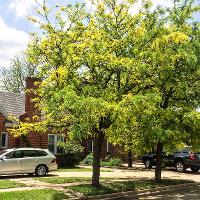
(108, 161)
(72, 154)
(112, 162)
(88, 160)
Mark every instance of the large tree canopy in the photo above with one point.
(131, 78)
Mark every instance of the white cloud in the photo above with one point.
(21, 7)
(89, 5)
(165, 3)
(135, 8)
(11, 42)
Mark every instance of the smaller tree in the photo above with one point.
(13, 78)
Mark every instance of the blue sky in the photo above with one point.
(14, 28)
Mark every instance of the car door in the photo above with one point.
(28, 161)
(11, 163)
(168, 160)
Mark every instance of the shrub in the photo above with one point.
(112, 162)
(88, 160)
(72, 154)
(108, 161)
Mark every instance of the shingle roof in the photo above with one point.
(12, 103)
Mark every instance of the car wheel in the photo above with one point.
(180, 167)
(194, 169)
(41, 170)
(148, 164)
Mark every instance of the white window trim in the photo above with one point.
(107, 147)
(92, 145)
(6, 140)
(55, 142)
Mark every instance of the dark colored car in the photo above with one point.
(181, 160)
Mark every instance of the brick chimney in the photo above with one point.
(31, 84)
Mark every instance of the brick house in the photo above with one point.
(21, 106)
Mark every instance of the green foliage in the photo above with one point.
(13, 78)
(112, 162)
(70, 147)
(133, 77)
(107, 162)
(88, 160)
(72, 153)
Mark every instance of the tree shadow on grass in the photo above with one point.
(59, 196)
(122, 186)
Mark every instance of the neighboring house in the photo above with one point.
(19, 106)
(22, 107)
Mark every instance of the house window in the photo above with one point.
(4, 140)
(52, 143)
(109, 147)
(90, 146)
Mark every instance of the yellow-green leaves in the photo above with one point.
(133, 77)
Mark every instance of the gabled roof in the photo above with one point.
(12, 104)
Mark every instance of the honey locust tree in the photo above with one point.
(165, 115)
(110, 73)
(89, 61)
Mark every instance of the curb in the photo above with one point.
(138, 193)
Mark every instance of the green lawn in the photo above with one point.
(62, 180)
(80, 169)
(33, 195)
(9, 184)
(123, 186)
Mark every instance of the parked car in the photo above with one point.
(27, 161)
(181, 160)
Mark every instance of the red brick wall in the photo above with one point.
(30, 109)
(2, 120)
(33, 139)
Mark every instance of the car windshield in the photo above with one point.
(2, 152)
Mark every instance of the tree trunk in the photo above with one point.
(97, 145)
(158, 162)
(130, 159)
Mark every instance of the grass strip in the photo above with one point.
(33, 195)
(122, 186)
(62, 180)
(5, 184)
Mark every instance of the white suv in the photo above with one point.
(27, 161)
